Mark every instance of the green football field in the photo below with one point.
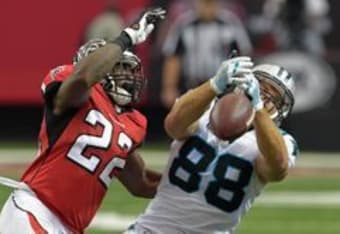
(307, 202)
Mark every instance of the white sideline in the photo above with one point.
(158, 158)
(308, 199)
(109, 221)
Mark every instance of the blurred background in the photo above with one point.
(301, 35)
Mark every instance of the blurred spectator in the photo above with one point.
(196, 44)
(107, 24)
(292, 24)
(290, 33)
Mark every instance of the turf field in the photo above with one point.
(307, 202)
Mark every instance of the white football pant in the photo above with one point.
(24, 213)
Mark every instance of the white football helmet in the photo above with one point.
(282, 82)
(125, 82)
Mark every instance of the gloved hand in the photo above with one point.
(234, 67)
(251, 87)
(139, 31)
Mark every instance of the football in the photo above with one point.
(231, 116)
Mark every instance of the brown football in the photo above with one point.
(231, 116)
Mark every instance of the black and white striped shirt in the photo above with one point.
(202, 45)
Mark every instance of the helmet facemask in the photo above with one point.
(124, 84)
(276, 90)
(274, 102)
(126, 81)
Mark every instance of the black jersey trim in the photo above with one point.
(55, 124)
(50, 92)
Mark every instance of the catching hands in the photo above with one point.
(139, 31)
(234, 67)
(251, 87)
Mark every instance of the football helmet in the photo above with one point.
(125, 82)
(88, 48)
(277, 90)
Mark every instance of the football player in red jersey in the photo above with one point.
(88, 136)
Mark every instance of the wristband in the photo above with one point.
(123, 40)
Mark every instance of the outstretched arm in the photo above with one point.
(91, 69)
(272, 165)
(170, 80)
(181, 121)
(137, 179)
(74, 91)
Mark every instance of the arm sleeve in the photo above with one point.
(242, 39)
(292, 147)
(174, 43)
(138, 130)
(203, 121)
(240, 36)
(52, 82)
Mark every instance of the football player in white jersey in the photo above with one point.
(209, 184)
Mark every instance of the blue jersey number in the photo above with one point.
(224, 192)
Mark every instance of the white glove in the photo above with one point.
(251, 87)
(232, 67)
(139, 31)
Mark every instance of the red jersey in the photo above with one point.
(80, 152)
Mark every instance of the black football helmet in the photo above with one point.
(125, 82)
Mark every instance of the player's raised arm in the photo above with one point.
(273, 163)
(181, 121)
(92, 67)
(137, 179)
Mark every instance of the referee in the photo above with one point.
(196, 45)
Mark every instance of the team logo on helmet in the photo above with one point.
(88, 48)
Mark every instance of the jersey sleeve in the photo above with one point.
(137, 130)
(238, 32)
(203, 121)
(292, 148)
(174, 43)
(52, 82)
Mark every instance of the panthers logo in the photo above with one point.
(315, 80)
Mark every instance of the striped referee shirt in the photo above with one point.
(202, 45)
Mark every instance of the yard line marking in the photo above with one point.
(159, 158)
(300, 198)
(110, 221)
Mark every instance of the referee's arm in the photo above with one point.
(173, 49)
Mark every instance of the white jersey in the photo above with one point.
(208, 185)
